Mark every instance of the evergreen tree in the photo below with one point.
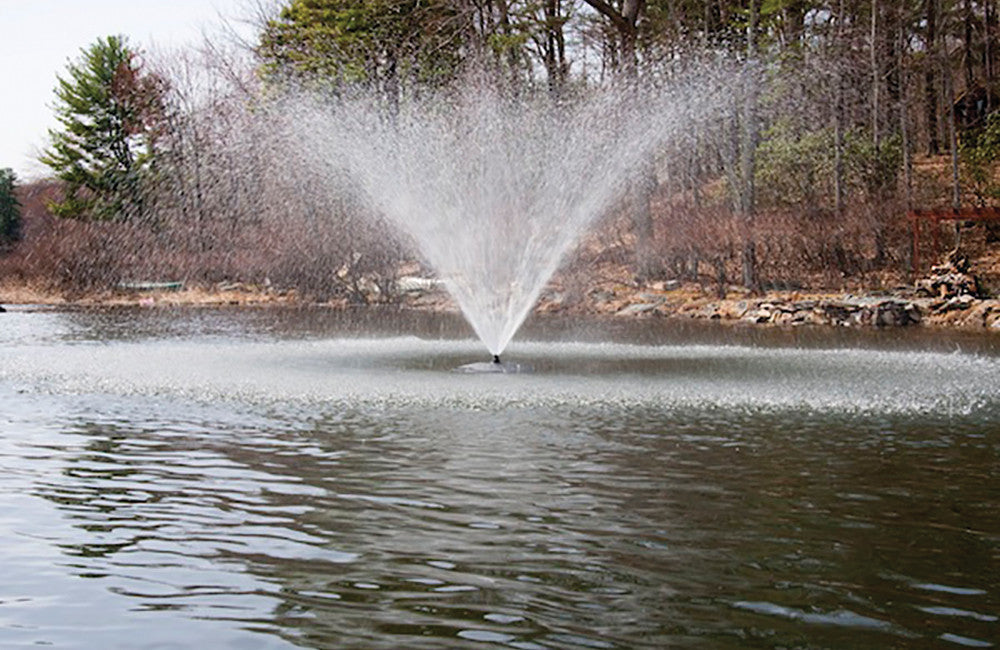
(386, 43)
(10, 208)
(109, 109)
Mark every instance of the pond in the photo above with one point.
(283, 478)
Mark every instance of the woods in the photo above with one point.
(10, 209)
(841, 116)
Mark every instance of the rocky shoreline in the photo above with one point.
(836, 311)
(950, 296)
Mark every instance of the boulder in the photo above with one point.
(602, 296)
(836, 313)
(960, 302)
(894, 313)
(760, 315)
(416, 284)
(639, 308)
(950, 279)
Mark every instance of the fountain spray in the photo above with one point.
(495, 189)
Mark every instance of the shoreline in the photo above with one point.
(670, 300)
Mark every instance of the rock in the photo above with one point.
(733, 311)
(639, 308)
(415, 284)
(816, 317)
(836, 313)
(978, 315)
(761, 315)
(886, 318)
(958, 261)
(787, 318)
(600, 296)
(950, 279)
(557, 297)
(956, 303)
(863, 316)
(665, 285)
(2, 310)
(893, 313)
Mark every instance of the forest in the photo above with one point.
(843, 117)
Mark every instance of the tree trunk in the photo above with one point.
(876, 79)
(967, 37)
(560, 45)
(392, 86)
(748, 155)
(989, 21)
(551, 63)
(904, 112)
(512, 52)
(838, 150)
(956, 188)
(930, 79)
(838, 120)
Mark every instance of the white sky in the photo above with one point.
(39, 37)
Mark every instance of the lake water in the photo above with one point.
(308, 478)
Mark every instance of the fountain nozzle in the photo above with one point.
(496, 358)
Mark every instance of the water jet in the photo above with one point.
(494, 190)
(495, 366)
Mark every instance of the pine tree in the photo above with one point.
(10, 208)
(109, 109)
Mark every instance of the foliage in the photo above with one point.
(980, 152)
(109, 109)
(374, 41)
(10, 208)
(795, 168)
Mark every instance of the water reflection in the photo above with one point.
(434, 528)
(307, 507)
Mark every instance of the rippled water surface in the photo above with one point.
(280, 479)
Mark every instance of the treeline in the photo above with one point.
(841, 115)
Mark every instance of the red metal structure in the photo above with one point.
(934, 218)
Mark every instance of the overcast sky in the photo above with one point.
(38, 38)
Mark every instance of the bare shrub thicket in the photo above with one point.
(793, 180)
(232, 200)
(228, 200)
(795, 250)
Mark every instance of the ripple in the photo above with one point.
(954, 611)
(486, 636)
(965, 641)
(324, 493)
(949, 589)
(839, 618)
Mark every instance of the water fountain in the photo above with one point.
(284, 478)
(494, 190)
